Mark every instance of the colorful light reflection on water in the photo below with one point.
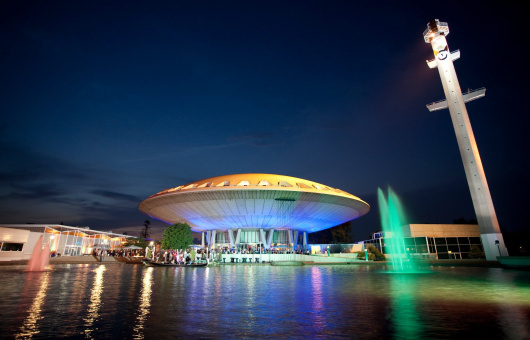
(130, 301)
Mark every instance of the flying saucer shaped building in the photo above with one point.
(254, 208)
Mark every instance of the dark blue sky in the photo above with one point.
(105, 103)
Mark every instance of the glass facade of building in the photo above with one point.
(443, 247)
(61, 239)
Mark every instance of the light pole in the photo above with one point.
(497, 243)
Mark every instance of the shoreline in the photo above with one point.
(121, 260)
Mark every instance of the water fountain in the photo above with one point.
(40, 258)
(392, 221)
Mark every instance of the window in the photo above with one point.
(411, 249)
(7, 246)
(441, 249)
(409, 241)
(439, 241)
(451, 240)
(422, 249)
(475, 240)
(420, 240)
(465, 248)
(302, 185)
(453, 248)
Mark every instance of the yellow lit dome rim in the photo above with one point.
(256, 180)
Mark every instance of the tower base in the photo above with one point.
(491, 249)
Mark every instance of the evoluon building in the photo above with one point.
(255, 209)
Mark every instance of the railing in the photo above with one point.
(463, 93)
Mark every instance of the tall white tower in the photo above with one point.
(487, 219)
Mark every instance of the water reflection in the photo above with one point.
(77, 288)
(263, 302)
(405, 318)
(145, 304)
(317, 301)
(512, 317)
(31, 323)
(95, 302)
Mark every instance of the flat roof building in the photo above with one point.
(17, 241)
(436, 241)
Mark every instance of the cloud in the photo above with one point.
(257, 139)
(23, 165)
(42, 188)
(116, 195)
(29, 191)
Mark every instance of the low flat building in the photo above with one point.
(17, 241)
(439, 241)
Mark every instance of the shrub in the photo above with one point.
(377, 255)
(476, 253)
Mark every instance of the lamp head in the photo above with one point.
(434, 29)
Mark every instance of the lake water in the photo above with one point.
(263, 301)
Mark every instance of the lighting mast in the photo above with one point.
(490, 232)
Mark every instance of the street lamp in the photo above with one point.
(366, 254)
(497, 243)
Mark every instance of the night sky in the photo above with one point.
(104, 103)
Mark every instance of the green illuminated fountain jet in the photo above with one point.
(392, 221)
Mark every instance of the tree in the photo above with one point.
(134, 241)
(177, 236)
(337, 234)
(476, 253)
(146, 231)
(341, 233)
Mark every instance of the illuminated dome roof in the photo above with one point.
(255, 201)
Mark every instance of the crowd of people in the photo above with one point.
(117, 252)
(186, 256)
(259, 250)
(180, 256)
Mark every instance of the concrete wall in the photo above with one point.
(28, 238)
(14, 236)
(443, 230)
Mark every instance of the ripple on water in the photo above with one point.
(130, 301)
